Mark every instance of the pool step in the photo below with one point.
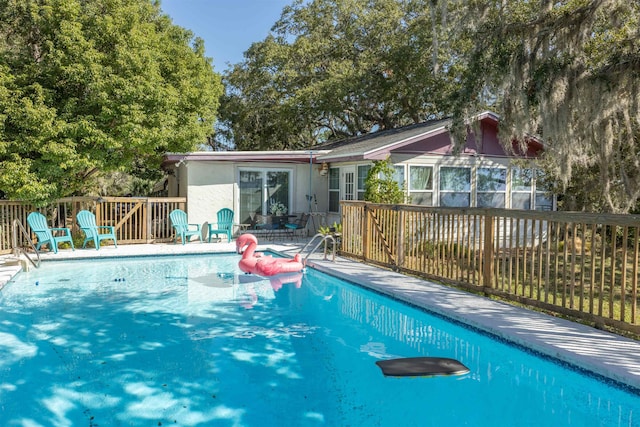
(10, 260)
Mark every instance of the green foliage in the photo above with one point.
(439, 250)
(567, 72)
(336, 231)
(100, 86)
(339, 68)
(380, 185)
(336, 228)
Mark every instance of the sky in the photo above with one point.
(228, 27)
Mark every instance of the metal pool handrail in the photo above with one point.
(323, 238)
(17, 226)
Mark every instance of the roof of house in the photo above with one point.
(295, 156)
(372, 146)
(378, 145)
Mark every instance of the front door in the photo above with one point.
(348, 186)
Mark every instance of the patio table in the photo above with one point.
(242, 228)
(275, 226)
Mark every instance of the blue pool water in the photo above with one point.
(190, 341)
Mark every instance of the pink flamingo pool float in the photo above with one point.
(263, 265)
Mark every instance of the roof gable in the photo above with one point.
(431, 137)
(377, 145)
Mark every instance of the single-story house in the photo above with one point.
(254, 183)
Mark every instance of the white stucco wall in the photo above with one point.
(179, 182)
(318, 190)
(313, 184)
(210, 188)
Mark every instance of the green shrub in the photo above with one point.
(380, 185)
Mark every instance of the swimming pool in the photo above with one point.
(189, 341)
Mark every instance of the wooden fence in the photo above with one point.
(136, 219)
(576, 264)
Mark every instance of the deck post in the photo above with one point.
(401, 237)
(148, 233)
(489, 252)
(365, 231)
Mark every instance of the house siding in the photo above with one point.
(210, 180)
(473, 162)
(209, 190)
(210, 186)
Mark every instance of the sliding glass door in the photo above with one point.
(251, 197)
(261, 191)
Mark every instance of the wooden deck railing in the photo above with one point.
(136, 219)
(577, 264)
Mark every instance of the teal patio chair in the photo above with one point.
(224, 224)
(300, 224)
(92, 231)
(183, 229)
(46, 236)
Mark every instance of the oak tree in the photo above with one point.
(96, 86)
(338, 68)
(566, 71)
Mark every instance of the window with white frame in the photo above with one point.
(528, 190)
(398, 175)
(363, 171)
(334, 189)
(421, 185)
(491, 187)
(349, 185)
(543, 200)
(455, 186)
(521, 188)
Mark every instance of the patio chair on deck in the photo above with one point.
(300, 224)
(224, 224)
(46, 236)
(269, 226)
(183, 229)
(87, 222)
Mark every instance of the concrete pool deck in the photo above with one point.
(603, 353)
